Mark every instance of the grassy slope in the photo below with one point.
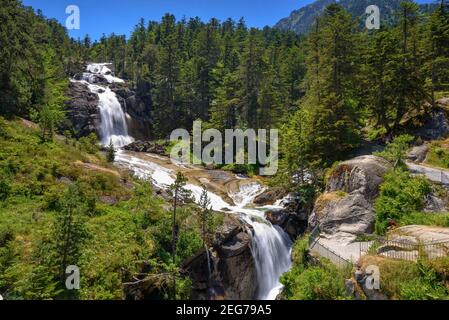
(121, 236)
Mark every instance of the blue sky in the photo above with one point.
(119, 16)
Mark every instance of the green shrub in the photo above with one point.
(5, 189)
(418, 289)
(396, 150)
(6, 235)
(324, 282)
(438, 155)
(89, 144)
(426, 219)
(400, 195)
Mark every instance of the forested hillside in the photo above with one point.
(301, 21)
(332, 93)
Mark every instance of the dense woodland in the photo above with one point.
(327, 92)
(337, 85)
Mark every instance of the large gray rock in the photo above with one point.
(347, 205)
(225, 271)
(137, 102)
(82, 110)
(233, 271)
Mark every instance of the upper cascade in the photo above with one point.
(113, 127)
(102, 70)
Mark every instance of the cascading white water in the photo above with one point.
(113, 120)
(113, 127)
(271, 245)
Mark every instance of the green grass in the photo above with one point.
(308, 281)
(407, 280)
(438, 155)
(123, 239)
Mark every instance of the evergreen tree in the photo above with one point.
(328, 111)
(111, 152)
(69, 230)
(179, 195)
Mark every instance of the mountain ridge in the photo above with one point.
(301, 20)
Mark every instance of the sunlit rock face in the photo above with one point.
(346, 210)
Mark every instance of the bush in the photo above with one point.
(89, 144)
(324, 282)
(396, 150)
(439, 154)
(6, 235)
(5, 189)
(313, 282)
(400, 195)
(418, 289)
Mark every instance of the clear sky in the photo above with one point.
(120, 16)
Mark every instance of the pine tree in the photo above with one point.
(111, 152)
(54, 82)
(328, 111)
(179, 194)
(437, 47)
(205, 216)
(68, 229)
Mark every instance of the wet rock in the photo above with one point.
(137, 103)
(292, 218)
(347, 205)
(277, 217)
(146, 146)
(235, 246)
(269, 197)
(232, 265)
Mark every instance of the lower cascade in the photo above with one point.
(271, 246)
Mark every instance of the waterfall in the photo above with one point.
(271, 246)
(113, 125)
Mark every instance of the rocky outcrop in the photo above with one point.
(418, 154)
(292, 218)
(269, 197)
(229, 262)
(421, 234)
(138, 104)
(81, 110)
(346, 207)
(148, 147)
(233, 272)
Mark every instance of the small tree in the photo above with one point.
(397, 149)
(111, 152)
(51, 114)
(179, 194)
(205, 216)
(68, 229)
